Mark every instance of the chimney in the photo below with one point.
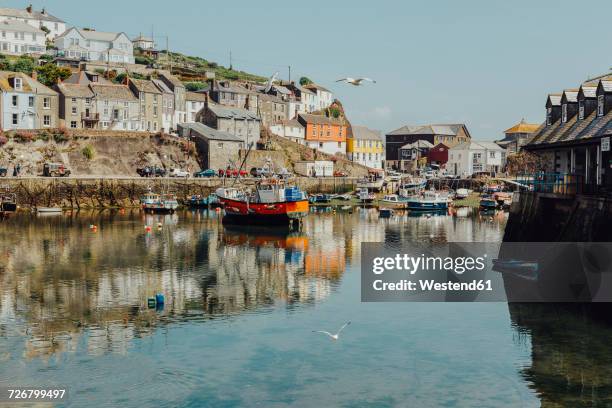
(44, 12)
(29, 9)
(35, 75)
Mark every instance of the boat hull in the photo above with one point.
(278, 213)
(427, 205)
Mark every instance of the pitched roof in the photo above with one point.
(433, 129)
(588, 89)
(320, 119)
(142, 38)
(606, 83)
(16, 25)
(523, 127)
(290, 122)
(570, 96)
(29, 85)
(364, 133)
(477, 145)
(161, 85)
(212, 134)
(23, 13)
(316, 87)
(554, 99)
(117, 92)
(419, 144)
(94, 35)
(229, 112)
(145, 85)
(75, 90)
(168, 78)
(85, 78)
(195, 96)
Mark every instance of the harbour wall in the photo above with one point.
(545, 217)
(84, 193)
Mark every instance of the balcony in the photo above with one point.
(92, 117)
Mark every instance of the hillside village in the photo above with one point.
(61, 78)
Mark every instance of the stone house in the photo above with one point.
(238, 122)
(195, 103)
(117, 107)
(26, 103)
(289, 129)
(516, 136)
(150, 101)
(167, 106)
(272, 109)
(216, 148)
(178, 88)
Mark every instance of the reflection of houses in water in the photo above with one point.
(571, 358)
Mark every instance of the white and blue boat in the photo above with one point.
(428, 201)
(411, 187)
(487, 202)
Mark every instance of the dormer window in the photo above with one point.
(600, 105)
(581, 110)
(564, 113)
(18, 84)
(548, 116)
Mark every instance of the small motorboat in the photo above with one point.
(319, 199)
(365, 196)
(385, 213)
(197, 201)
(411, 187)
(393, 200)
(164, 203)
(8, 203)
(48, 210)
(462, 193)
(503, 199)
(428, 201)
(487, 202)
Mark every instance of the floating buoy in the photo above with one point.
(159, 225)
(94, 228)
(122, 211)
(217, 209)
(147, 228)
(159, 298)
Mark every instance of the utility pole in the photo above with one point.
(168, 52)
(230, 66)
(289, 73)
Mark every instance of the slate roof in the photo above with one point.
(230, 112)
(195, 96)
(317, 87)
(116, 92)
(570, 96)
(364, 133)
(477, 145)
(94, 34)
(212, 134)
(433, 129)
(320, 119)
(145, 85)
(29, 85)
(75, 91)
(554, 99)
(588, 90)
(161, 85)
(419, 144)
(171, 79)
(16, 25)
(23, 13)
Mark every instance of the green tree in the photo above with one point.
(305, 81)
(195, 86)
(49, 73)
(24, 64)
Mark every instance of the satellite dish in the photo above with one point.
(271, 82)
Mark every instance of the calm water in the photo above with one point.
(240, 308)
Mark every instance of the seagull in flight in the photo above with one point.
(333, 336)
(356, 81)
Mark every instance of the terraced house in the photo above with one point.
(325, 134)
(26, 103)
(150, 100)
(77, 109)
(116, 106)
(18, 38)
(575, 137)
(35, 19)
(365, 146)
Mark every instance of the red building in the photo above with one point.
(438, 154)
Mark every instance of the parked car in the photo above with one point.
(284, 173)
(340, 173)
(260, 172)
(232, 173)
(3, 171)
(205, 173)
(178, 173)
(151, 171)
(55, 170)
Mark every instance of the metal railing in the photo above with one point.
(557, 183)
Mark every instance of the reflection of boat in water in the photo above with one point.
(48, 210)
(256, 235)
(487, 202)
(271, 203)
(8, 203)
(385, 213)
(428, 214)
(428, 201)
(160, 203)
(365, 197)
(198, 201)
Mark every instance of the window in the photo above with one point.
(155, 126)
(105, 125)
(15, 119)
(321, 145)
(491, 155)
(220, 145)
(73, 100)
(564, 113)
(87, 101)
(73, 124)
(46, 103)
(549, 116)
(155, 111)
(47, 120)
(339, 144)
(125, 115)
(600, 105)
(31, 101)
(115, 114)
(581, 110)
(74, 110)
(15, 100)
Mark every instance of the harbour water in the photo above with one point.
(240, 308)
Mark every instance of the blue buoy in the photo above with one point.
(159, 298)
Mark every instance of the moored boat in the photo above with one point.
(319, 199)
(487, 202)
(270, 204)
(8, 203)
(198, 201)
(365, 197)
(428, 201)
(462, 193)
(411, 187)
(374, 181)
(393, 201)
(161, 203)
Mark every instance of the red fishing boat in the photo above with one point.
(270, 204)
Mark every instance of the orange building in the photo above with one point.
(325, 134)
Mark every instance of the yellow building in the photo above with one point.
(365, 146)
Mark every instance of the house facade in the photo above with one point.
(238, 122)
(19, 38)
(178, 88)
(472, 157)
(195, 103)
(272, 109)
(289, 129)
(365, 146)
(26, 103)
(448, 134)
(90, 45)
(143, 42)
(150, 103)
(116, 106)
(516, 136)
(167, 106)
(35, 19)
(323, 97)
(325, 134)
(216, 148)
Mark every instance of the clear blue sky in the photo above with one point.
(486, 63)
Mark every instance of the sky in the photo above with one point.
(481, 62)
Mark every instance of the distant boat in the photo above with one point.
(462, 193)
(385, 212)
(411, 187)
(428, 201)
(365, 196)
(393, 200)
(8, 203)
(319, 199)
(487, 202)
(197, 201)
(375, 181)
(48, 210)
(164, 203)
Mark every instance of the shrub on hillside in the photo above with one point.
(3, 140)
(88, 152)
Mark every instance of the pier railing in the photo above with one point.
(557, 183)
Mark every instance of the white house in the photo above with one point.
(315, 168)
(91, 45)
(323, 98)
(18, 38)
(143, 42)
(290, 129)
(472, 157)
(26, 103)
(195, 102)
(36, 19)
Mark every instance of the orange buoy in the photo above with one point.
(217, 209)
(147, 228)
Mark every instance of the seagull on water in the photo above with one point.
(356, 81)
(333, 336)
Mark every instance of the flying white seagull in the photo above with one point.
(333, 336)
(356, 81)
